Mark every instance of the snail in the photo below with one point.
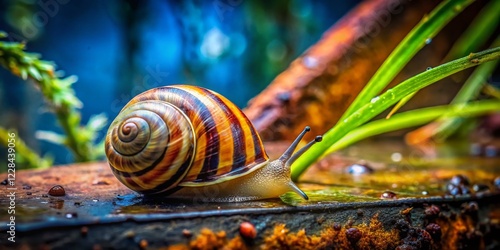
(185, 141)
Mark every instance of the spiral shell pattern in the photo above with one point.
(175, 136)
(150, 146)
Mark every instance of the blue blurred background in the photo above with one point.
(121, 48)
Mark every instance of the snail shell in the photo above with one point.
(186, 137)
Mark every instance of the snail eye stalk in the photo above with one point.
(289, 157)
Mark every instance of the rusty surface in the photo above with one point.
(319, 85)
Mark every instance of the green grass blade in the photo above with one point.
(446, 126)
(414, 118)
(471, 40)
(491, 91)
(428, 27)
(476, 80)
(400, 104)
(471, 88)
(478, 32)
(389, 98)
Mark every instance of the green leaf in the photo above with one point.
(426, 29)
(390, 97)
(400, 104)
(478, 32)
(414, 118)
(34, 73)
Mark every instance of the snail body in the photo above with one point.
(189, 142)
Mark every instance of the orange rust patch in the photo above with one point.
(281, 238)
(406, 211)
(374, 236)
(453, 230)
(207, 239)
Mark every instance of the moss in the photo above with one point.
(281, 238)
(208, 239)
(373, 236)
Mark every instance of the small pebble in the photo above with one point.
(186, 233)
(434, 230)
(491, 151)
(337, 227)
(457, 190)
(432, 211)
(57, 190)
(496, 182)
(359, 169)
(480, 188)
(247, 230)
(353, 235)
(459, 180)
(143, 244)
(26, 187)
(4, 182)
(84, 231)
(471, 207)
(28, 193)
(458, 185)
(71, 215)
(388, 195)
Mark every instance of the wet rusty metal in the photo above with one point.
(319, 85)
(97, 210)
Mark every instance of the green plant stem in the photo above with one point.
(447, 126)
(390, 97)
(57, 92)
(470, 90)
(476, 80)
(29, 159)
(400, 104)
(79, 149)
(491, 91)
(478, 32)
(427, 28)
(470, 40)
(414, 118)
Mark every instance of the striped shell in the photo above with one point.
(180, 135)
